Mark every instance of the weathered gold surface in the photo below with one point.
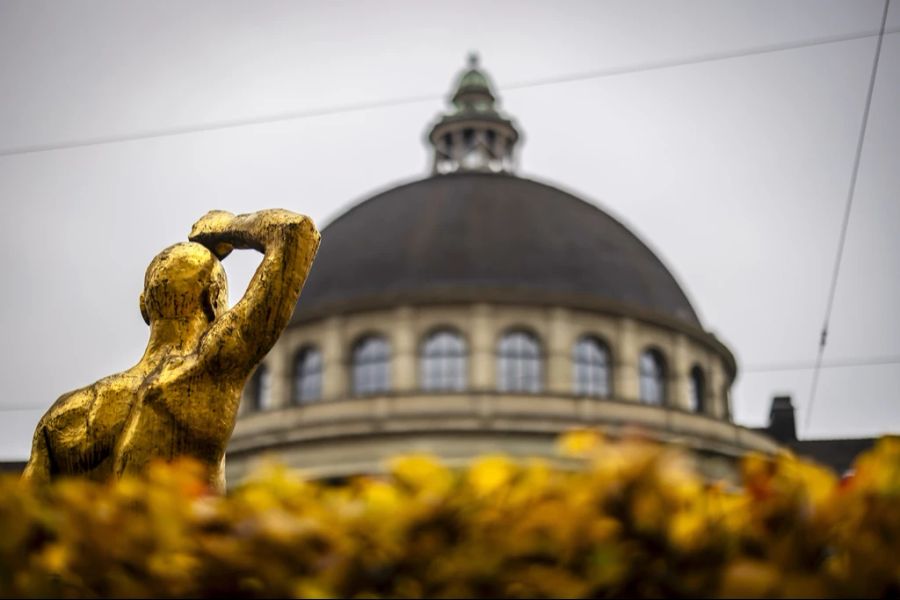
(182, 397)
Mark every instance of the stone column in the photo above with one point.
(482, 362)
(334, 360)
(723, 394)
(626, 361)
(403, 351)
(278, 362)
(559, 353)
(716, 385)
(457, 151)
(679, 376)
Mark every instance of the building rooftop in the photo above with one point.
(475, 236)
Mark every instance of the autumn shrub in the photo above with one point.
(634, 520)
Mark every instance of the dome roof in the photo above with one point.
(486, 237)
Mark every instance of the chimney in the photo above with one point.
(781, 420)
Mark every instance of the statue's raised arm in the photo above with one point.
(189, 404)
(237, 340)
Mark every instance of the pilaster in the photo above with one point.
(559, 353)
(626, 366)
(334, 360)
(403, 350)
(679, 378)
(482, 361)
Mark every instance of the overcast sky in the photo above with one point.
(735, 171)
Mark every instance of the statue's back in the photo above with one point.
(77, 435)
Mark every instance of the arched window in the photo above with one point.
(590, 359)
(307, 375)
(653, 377)
(519, 363)
(443, 362)
(262, 389)
(698, 390)
(371, 369)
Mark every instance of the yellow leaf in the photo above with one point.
(489, 474)
(579, 443)
(422, 471)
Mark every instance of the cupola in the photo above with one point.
(474, 135)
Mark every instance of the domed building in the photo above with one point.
(476, 311)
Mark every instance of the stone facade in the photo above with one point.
(341, 434)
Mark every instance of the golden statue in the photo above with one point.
(182, 397)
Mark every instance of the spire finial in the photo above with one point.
(473, 59)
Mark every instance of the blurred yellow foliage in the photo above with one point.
(635, 520)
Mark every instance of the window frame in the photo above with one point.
(583, 379)
(698, 403)
(365, 379)
(300, 371)
(530, 366)
(261, 390)
(660, 381)
(441, 365)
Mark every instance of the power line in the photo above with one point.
(360, 106)
(823, 338)
(703, 58)
(834, 364)
(219, 125)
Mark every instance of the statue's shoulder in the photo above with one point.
(78, 405)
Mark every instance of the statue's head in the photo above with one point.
(184, 280)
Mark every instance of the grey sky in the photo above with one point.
(734, 171)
